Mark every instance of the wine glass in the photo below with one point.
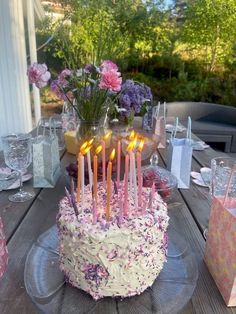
(17, 149)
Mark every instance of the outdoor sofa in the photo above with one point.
(212, 123)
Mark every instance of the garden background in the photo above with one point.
(183, 49)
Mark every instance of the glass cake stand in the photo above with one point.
(45, 283)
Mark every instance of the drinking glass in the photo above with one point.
(17, 149)
(221, 168)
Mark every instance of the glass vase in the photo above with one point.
(87, 130)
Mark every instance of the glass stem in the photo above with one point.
(20, 178)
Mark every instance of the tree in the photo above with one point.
(209, 29)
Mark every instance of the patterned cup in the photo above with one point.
(221, 171)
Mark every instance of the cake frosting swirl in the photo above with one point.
(115, 258)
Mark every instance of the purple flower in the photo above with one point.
(89, 68)
(55, 86)
(38, 74)
(63, 78)
(133, 96)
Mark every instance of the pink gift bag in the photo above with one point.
(220, 252)
(159, 125)
(3, 251)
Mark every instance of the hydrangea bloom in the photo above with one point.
(38, 74)
(133, 96)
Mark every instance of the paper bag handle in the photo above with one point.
(174, 130)
(164, 105)
(38, 126)
(189, 128)
(52, 126)
(228, 184)
(157, 110)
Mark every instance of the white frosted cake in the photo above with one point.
(115, 258)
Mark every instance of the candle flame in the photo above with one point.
(86, 150)
(130, 146)
(135, 141)
(141, 144)
(132, 135)
(112, 155)
(98, 149)
(83, 146)
(107, 135)
(90, 142)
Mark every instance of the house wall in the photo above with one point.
(15, 108)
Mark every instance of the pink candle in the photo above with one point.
(118, 163)
(139, 163)
(103, 163)
(126, 179)
(139, 179)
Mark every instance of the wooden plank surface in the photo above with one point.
(13, 213)
(13, 297)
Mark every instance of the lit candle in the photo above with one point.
(118, 162)
(109, 181)
(107, 138)
(132, 135)
(82, 179)
(90, 168)
(79, 179)
(126, 179)
(83, 150)
(129, 149)
(95, 173)
(103, 163)
(139, 162)
(134, 176)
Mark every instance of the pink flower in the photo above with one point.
(38, 74)
(108, 65)
(62, 77)
(110, 80)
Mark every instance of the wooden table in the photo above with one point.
(25, 222)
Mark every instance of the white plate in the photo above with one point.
(197, 177)
(200, 183)
(199, 145)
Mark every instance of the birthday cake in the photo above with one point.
(120, 257)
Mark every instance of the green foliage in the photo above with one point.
(185, 51)
(210, 27)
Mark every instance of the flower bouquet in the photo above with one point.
(91, 91)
